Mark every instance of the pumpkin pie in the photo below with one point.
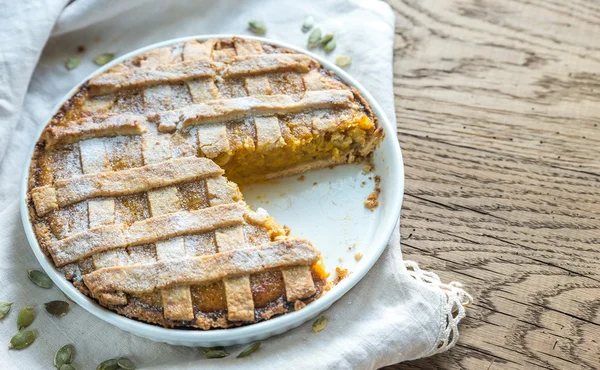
(127, 191)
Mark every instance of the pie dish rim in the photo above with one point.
(256, 331)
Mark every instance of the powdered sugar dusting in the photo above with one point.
(200, 270)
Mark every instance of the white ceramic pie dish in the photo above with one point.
(327, 208)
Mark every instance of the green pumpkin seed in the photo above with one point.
(328, 37)
(215, 352)
(249, 350)
(22, 340)
(343, 61)
(4, 308)
(63, 356)
(125, 363)
(108, 365)
(257, 27)
(102, 59)
(25, 318)
(315, 38)
(309, 22)
(66, 367)
(57, 308)
(72, 63)
(329, 46)
(40, 279)
(319, 324)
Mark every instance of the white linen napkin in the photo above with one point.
(396, 313)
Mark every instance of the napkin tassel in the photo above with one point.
(453, 310)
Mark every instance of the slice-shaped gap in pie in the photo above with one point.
(127, 192)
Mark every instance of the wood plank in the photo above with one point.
(497, 110)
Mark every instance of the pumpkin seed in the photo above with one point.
(4, 308)
(40, 279)
(309, 22)
(72, 63)
(63, 356)
(25, 318)
(319, 324)
(66, 367)
(329, 46)
(125, 363)
(343, 61)
(314, 38)
(108, 365)
(102, 59)
(328, 37)
(57, 308)
(215, 352)
(21, 340)
(249, 350)
(257, 27)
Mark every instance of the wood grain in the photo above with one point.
(498, 106)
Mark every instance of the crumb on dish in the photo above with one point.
(372, 200)
(342, 273)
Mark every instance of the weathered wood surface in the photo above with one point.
(498, 105)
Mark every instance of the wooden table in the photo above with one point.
(498, 105)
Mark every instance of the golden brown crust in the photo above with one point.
(147, 278)
(116, 183)
(161, 83)
(98, 126)
(151, 230)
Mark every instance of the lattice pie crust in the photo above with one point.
(127, 192)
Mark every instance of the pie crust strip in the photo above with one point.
(108, 83)
(218, 111)
(139, 279)
(100, 211)
(125, 182)
(177, 301)
(298, 280)
(213, 140)
(148, 74)
(268, 132)
(104, 125)
(266, 63)
(238, 293)
(150, 230)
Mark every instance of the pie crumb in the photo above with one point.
(372, 200)
(287, 230)
(314, 183)
(340, 259)
(301, 178)
(358, 256)
(342, 273)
